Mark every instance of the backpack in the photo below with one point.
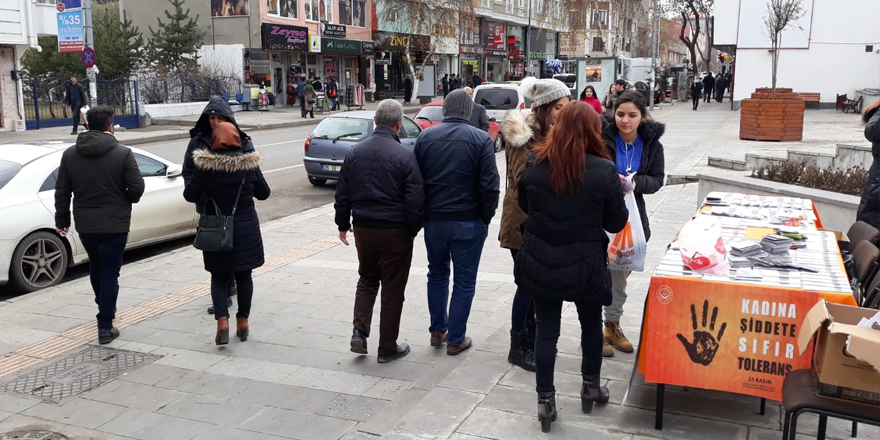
(331, 91)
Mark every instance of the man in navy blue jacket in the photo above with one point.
(461, 195)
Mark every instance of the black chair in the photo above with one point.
(799, 396)
(865, 256)
(871, 298)
(862, 231)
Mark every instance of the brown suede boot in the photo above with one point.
(607, 351)
(222, 337)
(614, 336)
(241, 328)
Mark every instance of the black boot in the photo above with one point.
(591, 392)
(519, 353)
(546, 409)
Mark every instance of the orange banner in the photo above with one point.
(724, 336)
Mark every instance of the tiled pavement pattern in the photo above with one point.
(295, 377)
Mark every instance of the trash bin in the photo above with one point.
(869, 96)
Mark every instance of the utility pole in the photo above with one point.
(528, 40)
(654, 16)
(90, 42)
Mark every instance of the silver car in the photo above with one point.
(32, 255)
(329, 143)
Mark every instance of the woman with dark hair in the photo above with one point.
(633, 142)
(869, 207)
(522, 132)
(572, 195)
(589, 96)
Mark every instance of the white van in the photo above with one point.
(501, 98)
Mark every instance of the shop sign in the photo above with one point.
(495, 35)
(281, 37)
(537, 55)
(383, 58)
(336, 45)
(562, 58)
(496, 53)
(394, 41)
(368, 47)
(315, 43)
(514, 53)
(471, 49)
(333, 30)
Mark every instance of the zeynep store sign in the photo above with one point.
(282, 37)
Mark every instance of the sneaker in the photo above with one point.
(402, 350)
(456, 349)
(359, 342)
(614, 336)
(107, 335)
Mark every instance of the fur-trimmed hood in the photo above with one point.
(516, 129)
(231, 162)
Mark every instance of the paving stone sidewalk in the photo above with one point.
(295, 377)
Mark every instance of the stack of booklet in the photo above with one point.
(776, 244)
(745, 249)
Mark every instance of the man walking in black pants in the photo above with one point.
(75, 97)
(380, 186)
(708, 87)
(104, 180)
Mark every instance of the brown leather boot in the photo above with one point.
(607, 351)
(438, 338)
(455, 350)
(614, 336)
(241, 328)
(222, 337)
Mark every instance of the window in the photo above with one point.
(433, 113)
(600, 17)
(283, 8)
(319, 10)
(352, 13)
(409, 129)
(497, 99)
(597, 44)
(149, 167)
(49, 183)
(8, 170)
(350, 129)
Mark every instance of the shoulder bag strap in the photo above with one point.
(237, 196)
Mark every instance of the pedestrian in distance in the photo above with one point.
(618, 87)
(333, 94)
(708, 87)
(720, 88)
(316, 84)
(572, 195)
(407, 89)
(445, 82)
(75, 96)
(380, 191)
(310, 97)
(633, 143)
(477, 80)
(456, 82)
(479, 118)
(104, 181)
(229, 178)
(869, 206)
(589, 96)
(696, 92)
(523, 132)
(300, 93)
(461, 194)
(216, 111)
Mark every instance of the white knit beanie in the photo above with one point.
(543, 91)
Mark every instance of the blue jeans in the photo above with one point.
(105, 261)
(462, 242)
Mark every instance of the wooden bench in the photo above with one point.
(810, 97)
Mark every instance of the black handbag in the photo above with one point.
(215, 231)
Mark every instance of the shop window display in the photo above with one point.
(352, 13)
(283, 8)
(319, 10)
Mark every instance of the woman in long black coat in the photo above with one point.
(572, 195)
(218, 176)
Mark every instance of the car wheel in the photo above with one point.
(39, 261)
(317, 182)
(499, 143)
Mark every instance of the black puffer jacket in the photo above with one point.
(458, 166)
(652, 171)
(200, 136)
(564, 248)
(869, 207)
(217, 176)
(380, 185)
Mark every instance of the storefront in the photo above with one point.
(471, 63)
(494, 51)
(281, 61)
(391, 62)
(516, 47)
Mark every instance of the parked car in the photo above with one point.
(644, 89)
(32, 255)
(570, 80)
(431, 114)
(500, 99)
(330, 141)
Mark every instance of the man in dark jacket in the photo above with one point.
(720, 87)
(76, 98)
(216, 111)
(708, 87)
(380, 185)
(445, 82)
(479, 118)
(477, 80)
(300, 93)
(104, 180)
(461, 195)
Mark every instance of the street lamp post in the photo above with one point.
(655, 14)
(528, 39)
(90, 42)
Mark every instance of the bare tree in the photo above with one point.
(692, 12)
(780, 14)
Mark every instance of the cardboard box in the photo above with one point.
(842, 239)
(846, 358)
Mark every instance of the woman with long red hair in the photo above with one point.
(572, 195)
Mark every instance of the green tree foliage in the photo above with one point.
(50, 62)
(119, 45)
(174, 44)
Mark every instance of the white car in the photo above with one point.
(500, 99)
(32, 255)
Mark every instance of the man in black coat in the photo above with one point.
(479, 118)
(104, 180)
(720, 88)
(380, 185)
(75, 96)
(708, 87)
(461, 196)
(445, 82)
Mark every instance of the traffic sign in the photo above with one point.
(88, 57)
(59, 6)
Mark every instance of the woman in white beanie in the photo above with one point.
(522, 131)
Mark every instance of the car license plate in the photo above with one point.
(330, 167)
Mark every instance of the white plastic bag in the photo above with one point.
(701, 247)
(626, 251)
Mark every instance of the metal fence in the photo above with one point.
(44, 101)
